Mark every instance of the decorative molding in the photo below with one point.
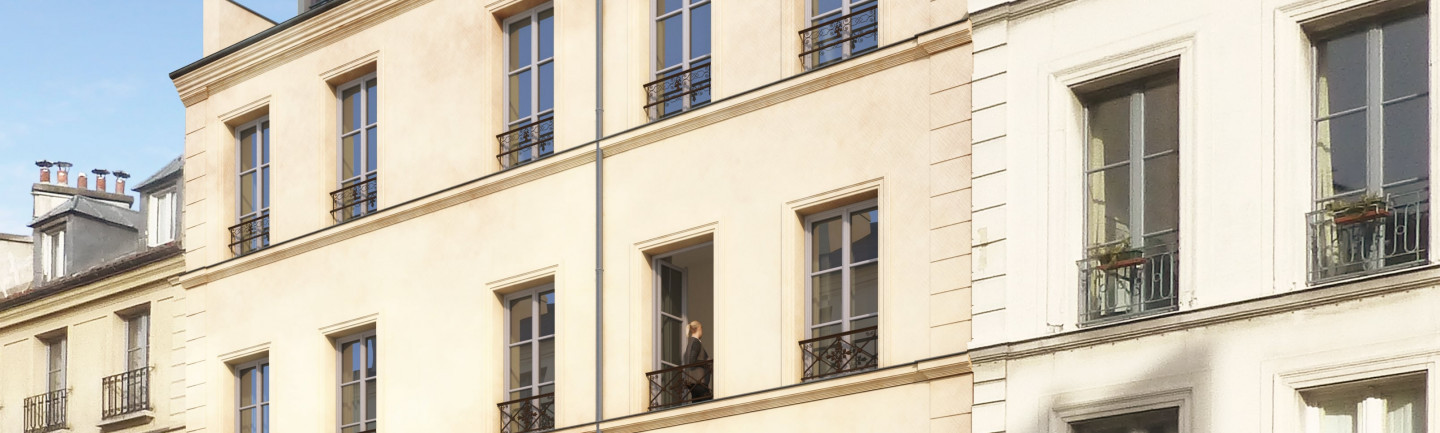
(143, 278)
(244, 111)
(1183, 399)
(334, 73)
(806, 204)
(240, 356)
(362, 323)
(194, 94)
(523, 280)
(679, 237)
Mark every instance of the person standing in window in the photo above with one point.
(697, 379)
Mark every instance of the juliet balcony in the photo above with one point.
(46, 412)
(839, 354)
(678, 91)
(125, 394)
(1118, 282)
(356, 199)
(251, 235)
(529, 414)
(679, 385)
(526, 143)
(841, 37)
(1360, 234)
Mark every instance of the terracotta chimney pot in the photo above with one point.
(81, 183)
(63, 172)
(100, 178)
(44, 170)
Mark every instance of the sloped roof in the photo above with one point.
(95, 209)
(175, 166)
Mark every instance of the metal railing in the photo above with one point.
(1369, 237)
(46, 412)
(125, 393)
(675, 385)
(252, 234)
(840, 38)
(1135, 282)
(842, 353)
(677, 92)
(354, 200)
(529, 414)
(527, 143)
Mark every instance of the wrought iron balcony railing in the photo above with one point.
(836, 354)
(46, 412)
(527, 143)
(1369, 236)
(354, 200)
(840, 38)
(125, 393)
(677, 92)
(529, 414)
(675, 385)
(252, 234)
(1129, 283)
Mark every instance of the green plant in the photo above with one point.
(1360, 205)
(1107, 254)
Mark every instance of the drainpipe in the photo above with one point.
(599, 215)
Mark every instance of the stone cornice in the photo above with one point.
(150, 276)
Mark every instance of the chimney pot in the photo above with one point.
(100, 178)
(63, 172)
(120, 177)
(44, 170)
(80, 182)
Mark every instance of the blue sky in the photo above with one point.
(87, 81)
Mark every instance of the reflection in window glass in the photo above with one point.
(843, 288)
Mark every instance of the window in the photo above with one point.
(253, 396)
(684, 294)
(1132, 217)
(682, 57)
(357, 383)
(1388, 405)
(842, 291)
(838, 29)
(1153, 421)
(137, 342)
(52, 253)
(252, 142)
(529, 361)
(55, 356)
(1372, 147)
(529, 86)
(160, 224)
(359, 138)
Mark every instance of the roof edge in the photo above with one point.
(232, 49)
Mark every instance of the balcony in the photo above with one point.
(353, 201)
(125, 393)
(676, 92)
(251, 235)
(675, 386)
(529, 414)
(527, 143)
(840, 38)
(45, 412)
(838, 354)
(1368, 235)
(1129, 283)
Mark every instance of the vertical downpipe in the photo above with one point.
(599, 215)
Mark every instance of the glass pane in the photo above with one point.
(671, 297)
(137, 333)
(1162, 118)
(247, 420)
(1152, 421)
(669, 41)
(864, 235)
(247, 193)
(825, 297)
(1340, 154)
(520, 365)
(350, 361)
(1407, 138)
(1109, 132)
(1162, 192)
(247, 149)
(370, 392)
(351, 429)
(519, 43)
(520, 95)
(1340, 70)
(265, 419)
(1406, 53)
(370, 351)
(547, 360)
(547, 313)
(350, 403)
(349, 156)
(265, 383)
(666, 6)
(864, 287)
(265, 188)
(547, 34)
(265, 142)
(547, 87)
(826, 330)
(864, 323)
(1338, 416)
(700, 31)
(247, 387)
(371, 142)
(826, 243)
(520, 312)
(671, 337)
(546, 390)
(371, 100)
(1109, 206)
(350, 109)
(818, 7)
(1405, 411)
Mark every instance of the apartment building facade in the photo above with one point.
(1204, 216)
(446, 215)
(91, 342)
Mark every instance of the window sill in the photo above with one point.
(127, 420)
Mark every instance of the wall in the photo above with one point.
(16, 261)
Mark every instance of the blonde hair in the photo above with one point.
(694, 324)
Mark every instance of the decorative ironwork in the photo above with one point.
(673, 387)
(1129, 283)
(840, 38)
(252, 234)
(1369, 237)
(527, 143)
(529, 414)
(842, 353)
(354, 200)
(46, 412)
(677, 92)
(125, 393)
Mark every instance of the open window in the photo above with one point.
(684, 307)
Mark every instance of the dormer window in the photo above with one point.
(52, 253)
(160, 221)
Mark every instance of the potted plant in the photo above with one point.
(1117, 255)
(1365, 208)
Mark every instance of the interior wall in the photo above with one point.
(699, 265)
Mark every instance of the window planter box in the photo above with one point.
(1361, 216)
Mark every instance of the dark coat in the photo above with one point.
(695, 352)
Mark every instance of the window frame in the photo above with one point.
(59, 371)
(262, 370)
(1133, 90)
(52, 252)
(687, 60)
(141, 319)
(536, 115)
(359, 339)
(367, 172)
(1366, 392)
(847, 7)
(261, 169)
(162, 207)
(846, 267)
(534, 341)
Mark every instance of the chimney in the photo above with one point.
(44, 170)
(80, 182)
(100, 178)
(120, 177)
(63, 175)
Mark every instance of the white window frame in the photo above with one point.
(132, 347)
(1371, 407)
(846, 8)
(52, 252)
(533, 14)
(846, 267)
(162, 207)
(262, 384)
(261, 170)
(1063, 415)
(534, 341)
(367, 173)
(58, 342)
(658, 264)
(358, 339)
(687, 59)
